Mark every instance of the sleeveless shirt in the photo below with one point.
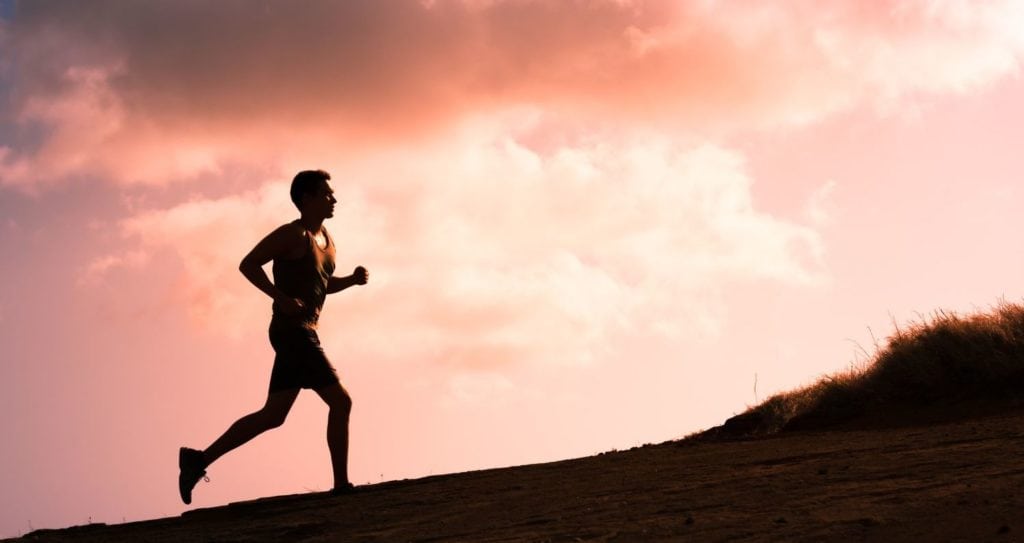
(304, 278)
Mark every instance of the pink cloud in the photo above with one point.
(174, 89)
(209, 239)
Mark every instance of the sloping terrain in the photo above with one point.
(941, 482)
(941, 368)
(925, 443)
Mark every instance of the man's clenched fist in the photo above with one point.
(360, 275)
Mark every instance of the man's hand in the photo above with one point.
(360, 276)
(337, 284)
(289, 305)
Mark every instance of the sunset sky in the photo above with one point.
(590, 225)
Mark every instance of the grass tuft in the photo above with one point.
(929, 366)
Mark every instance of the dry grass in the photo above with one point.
(947, 360)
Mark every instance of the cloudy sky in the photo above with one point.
(590, 224)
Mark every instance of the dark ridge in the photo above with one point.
(940, 369)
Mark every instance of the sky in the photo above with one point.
(589, 224)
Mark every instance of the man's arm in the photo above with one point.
(337, 284)
(278, 244)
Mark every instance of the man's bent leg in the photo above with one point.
(272, 415)
(340, 404)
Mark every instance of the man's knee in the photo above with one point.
(272, 418)
(277, 407)
(343, 402)
(339, 399)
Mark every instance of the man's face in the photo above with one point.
(321, 203)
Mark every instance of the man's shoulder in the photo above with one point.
(290, 229)
(290, 234)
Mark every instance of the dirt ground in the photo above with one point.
(961, 481)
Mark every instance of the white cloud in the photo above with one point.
(925, 47)
(820, 208)
(484, 253)
(477, 388)
(98, 267)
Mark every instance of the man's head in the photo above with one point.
(311, 193)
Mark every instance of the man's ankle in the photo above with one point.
(345, 488)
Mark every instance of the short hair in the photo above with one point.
(306, 182)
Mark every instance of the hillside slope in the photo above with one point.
(944, 368)
(926, 442)
(953, 481)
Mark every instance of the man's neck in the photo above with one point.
(311, 224)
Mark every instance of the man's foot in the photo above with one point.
(345, 489)
(193, 467)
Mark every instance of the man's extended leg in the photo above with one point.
(340, 404)
(272, 415)
(193, 463)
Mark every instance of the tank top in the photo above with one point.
(304, 278)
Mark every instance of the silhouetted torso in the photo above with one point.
(305, 278)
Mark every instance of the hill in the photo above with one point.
(926, 442)
(945, 482)
(948, 367)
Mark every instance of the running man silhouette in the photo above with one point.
(303, 255)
